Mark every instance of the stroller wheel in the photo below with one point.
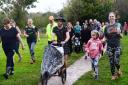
(77, 49)
(44, 78)
(63, 76)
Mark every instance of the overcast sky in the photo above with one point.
(48, 5)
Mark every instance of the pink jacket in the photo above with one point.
(94, 48)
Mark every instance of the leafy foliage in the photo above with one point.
(41, 19)
(122, 6)
(86, 9)
(16, 9)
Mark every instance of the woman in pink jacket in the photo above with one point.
(94, 48)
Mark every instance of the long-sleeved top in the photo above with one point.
(94, 47)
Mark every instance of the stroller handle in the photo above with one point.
(57, 44)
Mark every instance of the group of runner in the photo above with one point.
(93, 37)
(10, 37)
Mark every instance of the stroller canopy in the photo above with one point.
(53, 59)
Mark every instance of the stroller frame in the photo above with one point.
(61, 72)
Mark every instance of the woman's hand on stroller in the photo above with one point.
(58, 43)
(54, 42)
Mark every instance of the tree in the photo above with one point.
(41, 19)
(19, 12)
(2, 15)
(86, 9)
(121, 7)
(6, 6)
(16, 9)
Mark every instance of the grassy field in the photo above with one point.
(104, 70)
(25, 73)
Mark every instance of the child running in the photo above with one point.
(94, 48)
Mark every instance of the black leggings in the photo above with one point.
(9, 63)
(17, 48)
(114, 58)
(70, 46)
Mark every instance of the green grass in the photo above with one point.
(104, 70)
(25, 73)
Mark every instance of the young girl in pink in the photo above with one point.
(94, 48)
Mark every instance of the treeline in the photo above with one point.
(99, 9)
(17, 10)
(74, 10)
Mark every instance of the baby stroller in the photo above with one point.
(53, 64)
(77, 44)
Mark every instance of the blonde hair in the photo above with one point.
(30, 20)
(95, 32)
(112, 13)
(51, 18)
(12, 20)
